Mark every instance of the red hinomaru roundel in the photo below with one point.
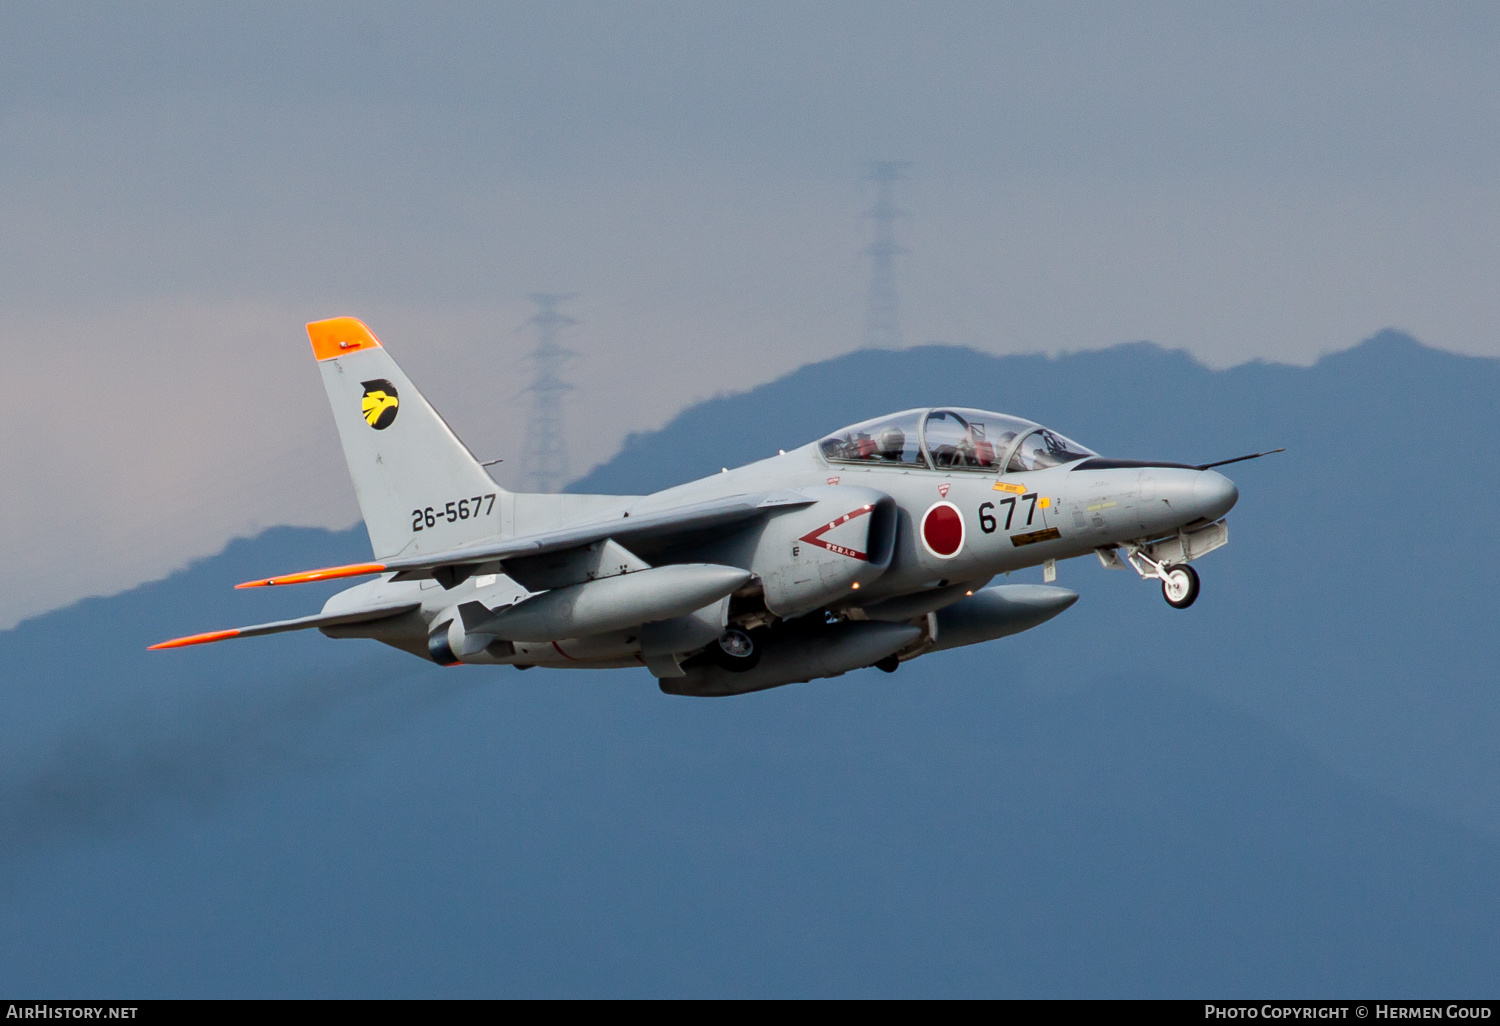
(943, 530)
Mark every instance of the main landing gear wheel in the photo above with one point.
(735, 651)
(1179, 586)
(888, 664)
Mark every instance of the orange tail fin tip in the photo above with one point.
(339, 336)
(329, 573)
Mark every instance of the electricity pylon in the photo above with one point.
(545, 463)
(882, 321)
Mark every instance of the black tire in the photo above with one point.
(735, 651)
(1187, 593)
(889, 664)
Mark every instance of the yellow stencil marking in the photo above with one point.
(1006, 486)
(1102, 505)
(1044, 502)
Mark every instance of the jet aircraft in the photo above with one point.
(872, 546)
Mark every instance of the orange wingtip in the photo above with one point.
(195, 639)
(328, 573)
(340, 336)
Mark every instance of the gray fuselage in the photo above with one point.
(990, 523)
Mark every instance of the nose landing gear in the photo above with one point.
(1179, 582)
(1166, 560)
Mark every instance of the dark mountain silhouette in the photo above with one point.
(1291, 788)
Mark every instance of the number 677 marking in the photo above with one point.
(987, 520)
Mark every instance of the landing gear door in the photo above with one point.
(1187, 546)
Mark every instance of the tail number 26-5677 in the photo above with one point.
(458, 509)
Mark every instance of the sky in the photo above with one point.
(183, 186)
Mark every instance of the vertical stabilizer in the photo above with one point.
(419, 488)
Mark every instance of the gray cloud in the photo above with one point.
(1162, 88)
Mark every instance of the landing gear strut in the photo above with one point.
(1179, 582)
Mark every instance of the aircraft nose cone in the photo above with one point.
(1214, 494)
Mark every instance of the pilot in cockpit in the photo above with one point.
(892, 444)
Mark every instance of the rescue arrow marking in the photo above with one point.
(815, 537)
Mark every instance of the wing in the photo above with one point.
(659, 527)
(301, 623)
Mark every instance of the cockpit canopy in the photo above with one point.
(953, 439)
(893, 439)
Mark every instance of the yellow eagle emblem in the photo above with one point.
(379, 404)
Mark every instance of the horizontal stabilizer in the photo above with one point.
(719, 513)
(299, 624)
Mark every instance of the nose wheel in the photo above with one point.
(1179, 586)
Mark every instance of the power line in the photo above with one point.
(882, 315)
(545, 461)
